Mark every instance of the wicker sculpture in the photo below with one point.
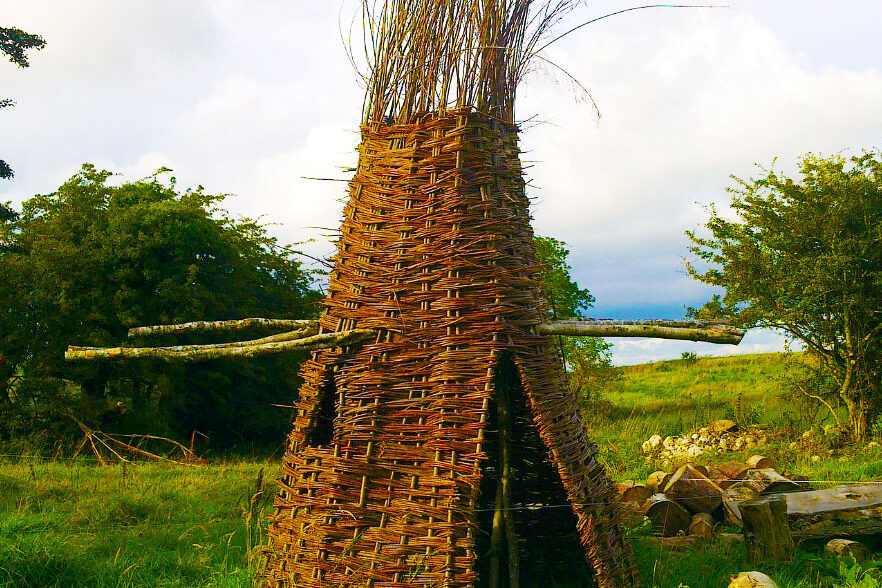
(435, 443)
(441, 452)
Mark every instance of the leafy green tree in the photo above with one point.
(588, 360)
(84, 264)
(14, 43)
(805, 256)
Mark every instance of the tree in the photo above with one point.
(588, 359)
(84, 264)
(14, 43)
(805, 256)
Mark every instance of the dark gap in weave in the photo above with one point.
(549, 548)
(322, 433)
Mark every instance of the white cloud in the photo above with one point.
(635, 351)
(247, 98)
(683, 107)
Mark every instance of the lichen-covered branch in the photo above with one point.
(707, 331)
(243, 349)
(234, 325)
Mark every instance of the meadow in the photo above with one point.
(79, 524)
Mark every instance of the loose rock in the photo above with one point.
(752, 580)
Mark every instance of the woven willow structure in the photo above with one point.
(447, 450)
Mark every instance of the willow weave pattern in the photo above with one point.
(381, 481)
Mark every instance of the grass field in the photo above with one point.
(161, 525)
(84, 525)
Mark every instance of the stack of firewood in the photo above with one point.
(692, 499)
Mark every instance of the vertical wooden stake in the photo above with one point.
(503, 517)
(496, 537)
(766, 529)
(503, 403)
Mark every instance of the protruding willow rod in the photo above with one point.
(707, 331)
(205, 352)
(235, 325)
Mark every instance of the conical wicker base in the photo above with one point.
(381, 484)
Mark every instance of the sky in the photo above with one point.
(251, 98)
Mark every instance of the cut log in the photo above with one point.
(667, 517)
(657, 480)
(734, 470)
(768, 481)
(702, 526)
(708, 331)
(803, 482)
(869, 523)
(622, 487)
(678, 543)
(846, 547)
(766, 531)
(637, 494)
(733, 496)
(719, 478)
(700, 468)
(760, 462)
(694, 490)
(730, 537)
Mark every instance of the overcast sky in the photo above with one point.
(248, 98)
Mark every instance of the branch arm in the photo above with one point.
(708, 331)
(206, 352)
(234, 325)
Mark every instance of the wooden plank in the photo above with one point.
(840, 498)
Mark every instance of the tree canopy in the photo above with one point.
(14, 43)
(588, 360)
(84, 264)
(805, 256)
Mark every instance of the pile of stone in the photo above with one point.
(721, 436)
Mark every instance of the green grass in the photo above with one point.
(675, 397)
(81, 525)
(161, 525)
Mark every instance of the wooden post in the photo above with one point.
(702, 526)
(766, 529)
(503, 516)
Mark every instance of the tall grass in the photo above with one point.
(70, 525)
